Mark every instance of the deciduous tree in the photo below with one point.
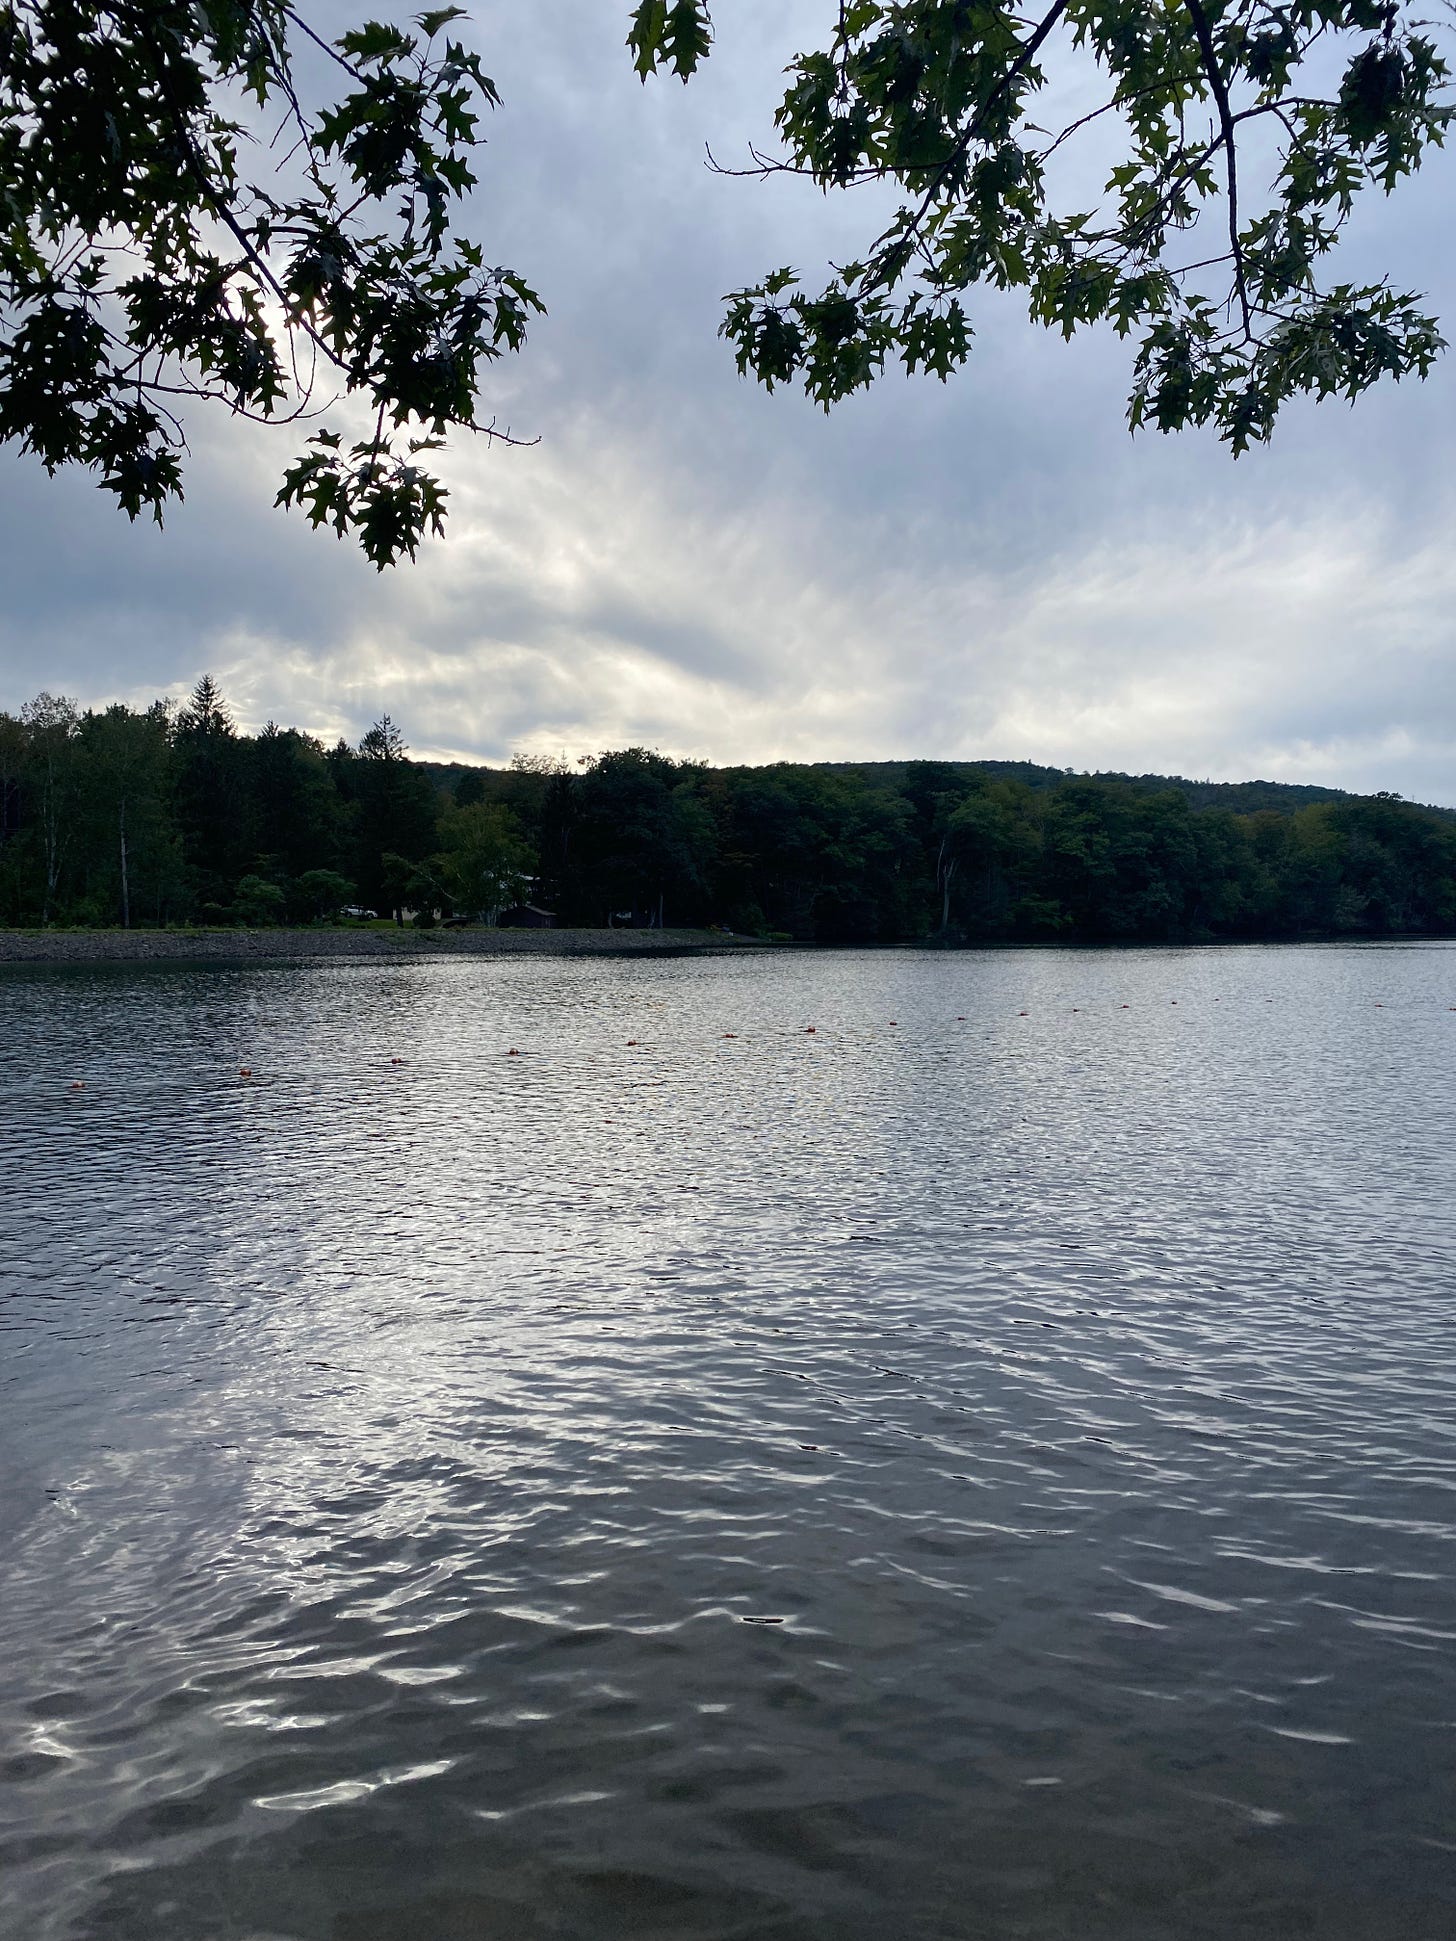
(215, 203)
(53, 724)
(484, 863)
(126, 783)
(1243, 134)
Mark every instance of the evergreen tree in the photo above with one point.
(395, 815)
(297, 821)
(208, 784)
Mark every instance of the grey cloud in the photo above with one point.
(993, 567)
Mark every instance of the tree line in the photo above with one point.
(169, 815)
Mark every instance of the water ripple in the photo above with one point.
(993, 1475)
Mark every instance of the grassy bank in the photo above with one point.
(377, 941)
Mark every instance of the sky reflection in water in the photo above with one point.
(980, 1474)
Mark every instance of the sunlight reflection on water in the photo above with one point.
(988, 1473)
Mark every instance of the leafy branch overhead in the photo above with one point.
(208, 200)
(1245, 132)
(176, 224)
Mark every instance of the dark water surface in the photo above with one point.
(982, 1475)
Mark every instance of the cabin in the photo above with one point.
(526, 916)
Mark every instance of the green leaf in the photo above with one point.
(438, 18)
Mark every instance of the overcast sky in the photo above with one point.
(989, 568)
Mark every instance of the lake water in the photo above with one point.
(985, 1467)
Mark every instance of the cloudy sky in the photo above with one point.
(991, 568)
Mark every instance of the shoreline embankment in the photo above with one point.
(250, 946)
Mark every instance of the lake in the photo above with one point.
(983, 1466)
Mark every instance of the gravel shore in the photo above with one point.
(239, 946)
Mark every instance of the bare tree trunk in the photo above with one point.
(125, 880)
(53, 869)
(51, 835)
(946, 871)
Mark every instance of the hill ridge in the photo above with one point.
(1235, 798)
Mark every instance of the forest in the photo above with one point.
(172, 816)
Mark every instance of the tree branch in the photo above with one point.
(978, 120)
(1226, 122)
(328, 48)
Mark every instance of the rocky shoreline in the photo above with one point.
(248, 946)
